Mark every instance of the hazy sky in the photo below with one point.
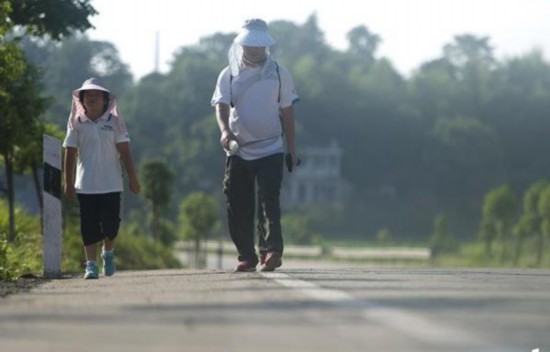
(412, 31)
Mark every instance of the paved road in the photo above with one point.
(316, 307)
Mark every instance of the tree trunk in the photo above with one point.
(39, 197)
(198, 253)
(155, 226)
(488, 249)
(8, 161)
(519, 247)
(204, 257)
(540, 249)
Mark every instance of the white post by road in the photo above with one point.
(52, 207)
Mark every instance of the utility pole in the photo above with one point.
(157, 47)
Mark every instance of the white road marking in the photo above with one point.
(407, 323)
(309, 289)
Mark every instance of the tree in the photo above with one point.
(384, 236)
(452, 161)
(215, 47)
(469, 49)
(459, 83)
(157, 183)
(519, 113)
(442, 239)
(55, 18)
(433, 89)
(186, 126)
(499, 209)
(363, 44)
(297, 229)
(544, 212)
(198, 218)
(21, 148)
(294, 42)
(19, 97)
(530, 221)
(30, 105)
(472, 59)
(13, 66)
(11, 58)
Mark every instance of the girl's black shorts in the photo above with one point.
(99, 216)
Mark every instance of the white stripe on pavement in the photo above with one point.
(404, 322)
(309, 289)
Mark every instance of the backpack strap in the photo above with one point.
(279, 78)
(231, 89)
(231, 85)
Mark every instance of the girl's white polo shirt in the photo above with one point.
(98, 167)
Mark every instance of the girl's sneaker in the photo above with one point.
(109, 266)
(92, 271)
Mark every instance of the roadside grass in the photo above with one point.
(467, 254)
(475, 255)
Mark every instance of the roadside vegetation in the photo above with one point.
(511, 234)
(23, 256)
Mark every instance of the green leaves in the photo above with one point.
(56, 18)
(198, 216)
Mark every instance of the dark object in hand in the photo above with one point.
(288, 161)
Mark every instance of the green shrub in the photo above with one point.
(139, 252)
(24, 254)
(134, 250)
(7, 270)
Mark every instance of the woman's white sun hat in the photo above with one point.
(254, 33)
(92, 84)
(78, 112)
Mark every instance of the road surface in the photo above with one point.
(302, 307)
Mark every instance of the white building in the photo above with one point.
(318, 178)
